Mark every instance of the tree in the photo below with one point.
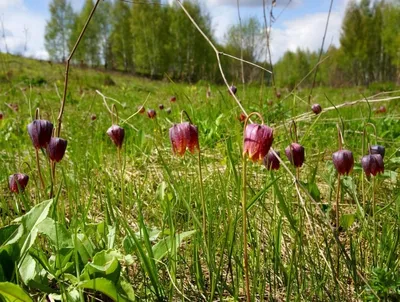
(121, 41)
(58, 29)
(88, 51)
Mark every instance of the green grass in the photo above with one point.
(80, 246)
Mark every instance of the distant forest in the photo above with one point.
(150, 39)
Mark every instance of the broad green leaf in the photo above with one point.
(104, 286)
(105, 264)
(7, 232)
(128, 290)
(58, 234)
(347, 220)
(29, 271)
(164, 245)
(85, 247)
(13, 293)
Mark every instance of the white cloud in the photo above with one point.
(24, 30)
(305, 33)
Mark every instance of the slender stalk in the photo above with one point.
(244, 214)
(337, 224)
(203, 203)
(121, 168)
(38, 167)
(374, 221)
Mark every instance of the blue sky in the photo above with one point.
(301, 24)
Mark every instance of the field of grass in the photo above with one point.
(130, 227)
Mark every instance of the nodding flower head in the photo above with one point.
(343, 161)
(377, 149)
(182, 136)
(141, 109)
(151, 113)
(1, 115)
(93, 117)
(18, 182)
(257, 141)
(56, 148)
(232, 90)
(316, 108)
(168, 110)
(40, 132)
(295, 154)
(372, 164)
(172, 99)
(161, 106)
(117, 134)
(271, 162)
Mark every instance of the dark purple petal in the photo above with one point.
(56, 148)
(271, 162)
(257, 141)
(40, 132)
(295, 154)
(343, 161)
(117, 134)
(316, 108)
(377, 149)
(372, 164)
(151, 113)
(16, 180)
(193, 139)
(178, 135)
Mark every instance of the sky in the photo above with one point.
(299, 23)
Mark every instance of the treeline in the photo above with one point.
(143, 37)
(369, 50)
(151, 38)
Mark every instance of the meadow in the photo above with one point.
(142, 223)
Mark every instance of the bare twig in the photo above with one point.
(320, 51)
(59, 118)
(268, 37)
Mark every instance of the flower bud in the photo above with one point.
(372, 164)
(168, 110)
(257, 141)
(151, 113)
(271, 162)
(40, 132)
(377, 149)
(295, 154)
(93, 117)
(56, 148)
(316, 108)
(182, 136)
(241, 117)
(172, 99)
(161, 106)
(18, 181)
(117, 134)
(1, 115)
(343, 161)
(232, 90)
(141, 109)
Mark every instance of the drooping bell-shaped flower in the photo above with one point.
(172, 99)
(161, 106)
(93, 117)
(241, 117)
(56, 148)
(117, 134)
(316, 108)
(1, 115)
(151, 113)
(271, 162)
(377, 149)
(372, 164)
(295, 154)
(17, 182)
(141, 109)
(182, 136)
(232, 90)
(168, 110)
(40, 132)
(257, 141)
(343, 161)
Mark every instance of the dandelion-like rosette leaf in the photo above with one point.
(40, 132)
(343, 161)
(295, 154)
(56, 148)
(117, 134)
(271, 162)
(18, 181)
(377, 149)
(372, 164)
(257, 141)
